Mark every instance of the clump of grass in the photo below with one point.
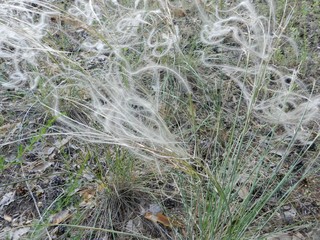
(114, 198)
(120, 77)
(248, 42)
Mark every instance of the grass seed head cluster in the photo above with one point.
(123, 73)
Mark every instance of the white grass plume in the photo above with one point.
(122, 96)
(247, 43)
(107, 104)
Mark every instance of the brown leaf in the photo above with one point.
(6, 127)
(164, 220)
(40, 166)
(285, 236)
(87, 193)
(243, 192)
(178, 12)
(87, 196)
(60, 217)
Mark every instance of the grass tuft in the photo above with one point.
(192, 108)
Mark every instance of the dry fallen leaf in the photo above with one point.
(87, 196)
(48, 150)
(158, 218)
(286, 236)
(243, 192)
(63, 142)
(244, 183)
(7, 199)
(6, 127)
(87, 193)
(164, 220)
(40, 166)
(178, 12)
(18, 233)
(60, 217)
(7, 218)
